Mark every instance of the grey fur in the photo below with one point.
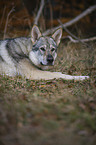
(24, 56)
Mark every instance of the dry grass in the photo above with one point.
(52, 112)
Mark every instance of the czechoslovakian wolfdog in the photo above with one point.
(29, 57)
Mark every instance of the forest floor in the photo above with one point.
(55, 112)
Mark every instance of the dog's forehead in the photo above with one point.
(48, 41)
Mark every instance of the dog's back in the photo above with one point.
(11, 52)
(26, 56)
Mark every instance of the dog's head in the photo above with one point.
(44, 49)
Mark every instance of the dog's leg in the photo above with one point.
(69, 77)
(46, 75)
(27, 70)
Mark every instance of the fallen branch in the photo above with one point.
(39, 12)
(5, 29)
(51, 13)
(73, 21)
(3, 15)
(67, 30)
(80, 40)
(76, 40)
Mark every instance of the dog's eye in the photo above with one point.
(53, 49)
(42, 48)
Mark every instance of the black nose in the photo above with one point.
(49, 58)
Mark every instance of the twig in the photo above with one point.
(72, 35)
(51, 13)
(68, 30)
(80, 40)
(3, 15)
(39, 12)
(7, 21)
(76, 19)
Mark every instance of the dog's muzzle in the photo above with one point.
(50, 59)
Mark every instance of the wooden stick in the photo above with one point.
(73, 21)
(39, 12)
(3, 15)
(76, 40)
(5, 29)
(80, 40)
(67, 30)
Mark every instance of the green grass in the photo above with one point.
(52, 112)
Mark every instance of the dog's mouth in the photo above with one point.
(48, 64)
(41, 63)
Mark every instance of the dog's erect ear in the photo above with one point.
(35, 34)
(57, 36)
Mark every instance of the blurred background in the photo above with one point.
(55, 112)
(20, 14)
